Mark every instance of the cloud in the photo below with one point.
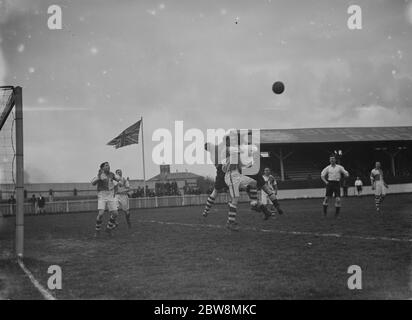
(3, 69)
(376, 115)
(54, 109)
(209, 72)
(8, 10)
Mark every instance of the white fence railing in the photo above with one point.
(135, 203)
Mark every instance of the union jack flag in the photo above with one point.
(127, 137)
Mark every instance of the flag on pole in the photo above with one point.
(127, 137)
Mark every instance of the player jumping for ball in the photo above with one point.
(220, 184)
(122, 198)
(331, 176)
(237, 158)
(105, 197)
(378, 185)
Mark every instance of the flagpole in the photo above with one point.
(144, 167)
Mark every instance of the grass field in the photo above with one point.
(175, 253)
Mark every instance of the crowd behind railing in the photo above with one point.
(165, 189)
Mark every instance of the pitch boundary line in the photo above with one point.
(297, 233)
(43, 291)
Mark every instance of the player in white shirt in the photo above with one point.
(240, 157)
(378, 185)
(331, 176)
(121, 194)
(358, 186)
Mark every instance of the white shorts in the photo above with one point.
(265, 198)
(105, 199)
(122, 202)
(235, 181)
(380, 189)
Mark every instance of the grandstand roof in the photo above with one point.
(325, 135)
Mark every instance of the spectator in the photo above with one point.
(33, 202)
(358, 186)
(345, 187)
(12, 204)
(41, 203)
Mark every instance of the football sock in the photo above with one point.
(232, 213)
(252, 192)
(378, 202)
(111, 224)
(128, 217)
(99, 222)
(209, 203)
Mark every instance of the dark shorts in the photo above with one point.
(359, 188)
(260, 182)
(333, 189)
(220, 183)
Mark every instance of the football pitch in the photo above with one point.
(175, 253)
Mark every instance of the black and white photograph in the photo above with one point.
(205, 155)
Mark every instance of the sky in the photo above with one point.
(210, 64)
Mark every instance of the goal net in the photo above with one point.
(7, 150)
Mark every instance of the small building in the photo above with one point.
(183, 180)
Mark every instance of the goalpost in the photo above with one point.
(11, 152)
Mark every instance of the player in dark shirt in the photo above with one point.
(220, 184)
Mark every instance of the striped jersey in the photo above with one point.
(106, 181)
(270, 180)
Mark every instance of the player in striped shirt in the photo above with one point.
(121, 194)
(331, 176)
(378, 185)
(272, 186)
(105, 181)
